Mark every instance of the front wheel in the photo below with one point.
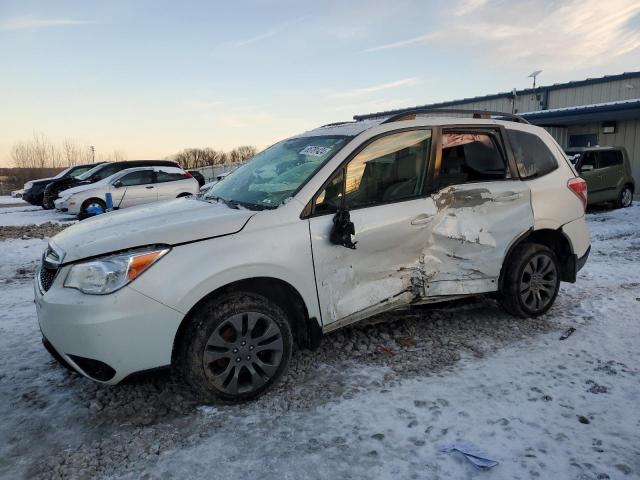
(531, 281)
(625, 198)
(236, 347)
(92, 206)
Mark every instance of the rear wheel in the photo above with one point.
(236, 347)
(184, 194)
(531, 281)
(625, 198)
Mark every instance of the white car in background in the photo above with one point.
(134, 186)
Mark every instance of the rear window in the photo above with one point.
(609, 158)
(533, 157)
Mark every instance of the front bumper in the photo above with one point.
(31, 197)
(61, 204)
(126, 331)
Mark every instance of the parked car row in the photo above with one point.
(33, 191)
(316, 232)
(82, 189)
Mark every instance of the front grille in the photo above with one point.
(47, 275)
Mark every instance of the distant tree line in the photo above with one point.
(204, 157)
(40, 152)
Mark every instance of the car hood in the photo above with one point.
(170, 223)
(82, 188)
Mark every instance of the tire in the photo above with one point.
(531, 281)
(625, 198)
(87, 203)
(217, 355)
(184, 194)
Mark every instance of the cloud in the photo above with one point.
(536, 33)
(28, 22)
(269, 33)
(405, 82)
(419, 40)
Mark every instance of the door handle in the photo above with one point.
(422, 219)
(150, 186)
(506, 198)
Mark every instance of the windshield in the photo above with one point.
(80, 170)
(88, 173)
(277, 172)
(63, 172)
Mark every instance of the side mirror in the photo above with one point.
(117, 184)
(586, 168)
(342, 230)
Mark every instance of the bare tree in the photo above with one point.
(242, 154)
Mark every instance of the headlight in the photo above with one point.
(108, 274)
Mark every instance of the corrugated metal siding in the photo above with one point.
(595, 93)
(560, 134)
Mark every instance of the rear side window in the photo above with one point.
(533, 157)
(609, 158)
(169, 177)
(469, 158)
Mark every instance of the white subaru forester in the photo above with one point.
(316, 232)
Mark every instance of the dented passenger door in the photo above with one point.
(482, 209)
(377, 201)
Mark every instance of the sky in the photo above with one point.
(150, 78)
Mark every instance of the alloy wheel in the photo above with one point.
(243, 353)
(627, 197)
(538, 282)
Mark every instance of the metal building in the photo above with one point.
(596, 111)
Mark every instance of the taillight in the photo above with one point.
(187, 175)
(579, 187)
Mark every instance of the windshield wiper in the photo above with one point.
(228, 203)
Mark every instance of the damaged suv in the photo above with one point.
(317, 232)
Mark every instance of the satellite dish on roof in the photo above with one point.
(534, 75)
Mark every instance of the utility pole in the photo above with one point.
(93, 153)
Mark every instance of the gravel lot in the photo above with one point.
(323, 419)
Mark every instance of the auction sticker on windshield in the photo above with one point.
(314, 151)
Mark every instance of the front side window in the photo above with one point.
(469, 157)
(142, 177)
(588, 162)
(391, 168)
(533, 157)
(277, 172)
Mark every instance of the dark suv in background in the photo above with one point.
(607, 171)
(96, 174)
(34, 189)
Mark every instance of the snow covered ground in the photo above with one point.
(25, 214)
(9, 200)
(374, 401)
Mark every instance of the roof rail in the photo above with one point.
(335, 124)
(401, 114)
